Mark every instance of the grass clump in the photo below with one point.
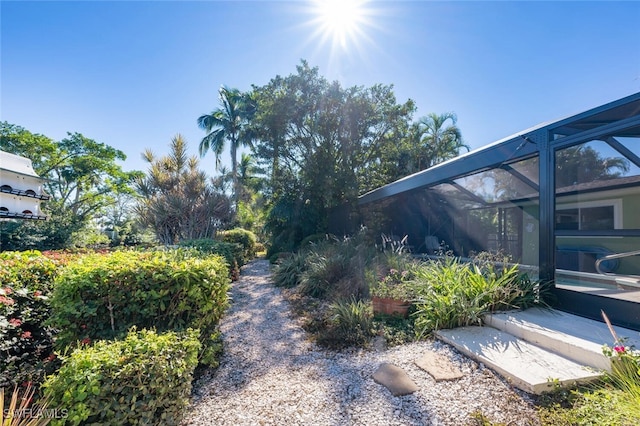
(350, 323)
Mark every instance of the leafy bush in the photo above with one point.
(315, 239)
(101, 297)
(454, 294)
(143, 379)
(26, 345)
(246, 239)
(30, 269)
(232, 253)
(323, 270)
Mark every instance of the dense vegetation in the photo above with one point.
(443, 293)
(97, 323)
(72, 318)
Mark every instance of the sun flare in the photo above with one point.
(341, 20)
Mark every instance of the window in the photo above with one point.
(590, 216)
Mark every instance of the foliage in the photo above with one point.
(616, 401)
(29, 269)
(232, 252)
(82, 179)
(335, 269)
(246, 239)
(454, 294)
(317, 141)
(120, 225)
(332, 269)
(176, 200)
(582, 163)
(24, 413)
(395, 329)
(588, 406)
(26, 344)
(143, 379)
(350, 323)
(102, 296)
(323, 269)
(228, 123)
(288, 272)
(625, 371)
(392, 275)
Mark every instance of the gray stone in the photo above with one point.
(395, 379)
(439, 367)
(380, 344)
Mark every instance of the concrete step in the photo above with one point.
(577, 338)
(523, 364)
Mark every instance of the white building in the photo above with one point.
(21, 189)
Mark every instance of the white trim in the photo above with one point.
(616, 203)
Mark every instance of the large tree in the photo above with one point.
(227, 123)
(177, 200)
(82, 178)
(319, 141)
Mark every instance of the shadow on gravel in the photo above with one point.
(263, 347)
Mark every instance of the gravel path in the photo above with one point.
(270, 374)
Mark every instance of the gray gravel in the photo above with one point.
(270, 374)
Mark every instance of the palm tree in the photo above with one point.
(228, 123)
(441, 141)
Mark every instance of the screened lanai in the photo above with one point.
(561, 199)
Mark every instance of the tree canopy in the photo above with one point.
(82, 178)
(319, 143)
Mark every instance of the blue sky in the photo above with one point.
(134, 74)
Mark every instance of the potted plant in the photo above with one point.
(392, 294)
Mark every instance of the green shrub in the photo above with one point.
(102, 296)
(143, 379)
(232, 253)
(30, 269)
(26, 344)
(246, 239)
(315, 239)
(454, 294)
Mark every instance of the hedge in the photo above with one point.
(144, 379)
(232, 252)
(102, 296)
(30, 269)
(246, 239)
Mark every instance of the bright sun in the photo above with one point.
(341, 20)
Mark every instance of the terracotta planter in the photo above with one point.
(388, 306)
